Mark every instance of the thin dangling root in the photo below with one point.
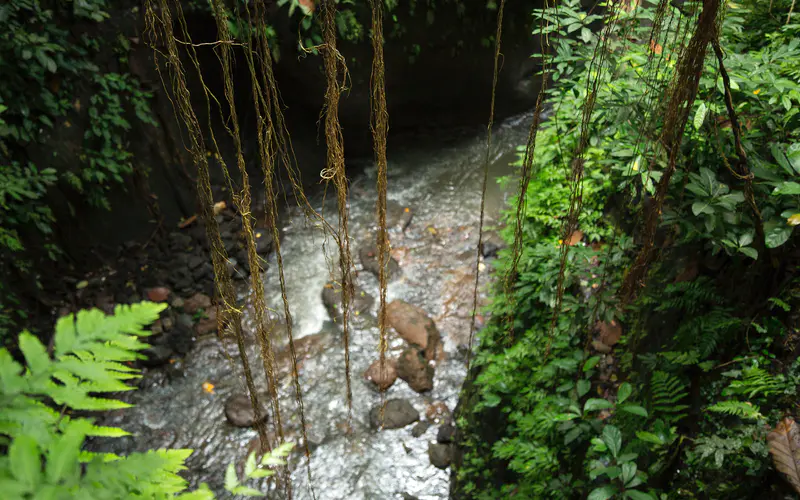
(335, 171)
(379, 121)
(497, 41)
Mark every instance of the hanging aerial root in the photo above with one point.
(680, 99)
(741, 172)
(242, 200)
(159, 22)
(525, 179)
(335, 171)
(273, 142)
(497, 42)
(379, 122)
(570, 224)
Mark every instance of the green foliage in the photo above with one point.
(44, 455)
(700, 354)
(47, 77)
(255, 469)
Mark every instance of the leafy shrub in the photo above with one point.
(690, 419)
(40, 402)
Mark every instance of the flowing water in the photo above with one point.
(437, 178)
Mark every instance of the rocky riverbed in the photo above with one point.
(191, 392)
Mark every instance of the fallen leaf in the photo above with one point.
(784, 446)
(208, 387)
(219, 207)
(757, 91)
(575, 237)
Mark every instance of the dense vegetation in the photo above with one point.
(674, 395)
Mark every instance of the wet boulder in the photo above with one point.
(360, 302)
(264, 241)
(446, 433)
(397, 414)
(398, 216)
(415, 327)
(420, 429)
(382, 379)
(368, 253)
(415, 370)
(239, 411)
(196, 302)
(491, 244)
(440, 455)
(157, 355)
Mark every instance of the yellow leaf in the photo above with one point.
(208, 387)
(794, 220)
(757, 91)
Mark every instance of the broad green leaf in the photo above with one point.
(250, 464)
(271, 460)
(25, 461)
(628, 472)
(624, 392)
(591, 363)
(793, 155)
(583, 387)
(247, 491)
(62, 455)
(231, 481)
(594, 404)
(602, 493)
(635, 409)
(639, 495)
(750, 252)
(700, 116)
(702, 207)
(35, 353)
(777, 233)
(787, 188)
(780, 157)
(103, 431)
(612, 437)
(11, 382)
(262, 473)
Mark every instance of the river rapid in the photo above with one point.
(436, 178)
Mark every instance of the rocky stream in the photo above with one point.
(191, 394)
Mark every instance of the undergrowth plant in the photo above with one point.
(680, 406)
(44, 422)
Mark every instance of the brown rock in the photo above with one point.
(369, 256)
(382, 380)
(360, 302)
(239, 411)
(438, 411)
(441, 455)
(207, 324)
(158, 294)
(415, 370)
(610, 333)
(196, 302)
(415, 327)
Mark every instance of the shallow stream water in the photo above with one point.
(437, 178)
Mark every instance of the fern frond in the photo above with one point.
(757, 381)
(666, 391)
(741, 409)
